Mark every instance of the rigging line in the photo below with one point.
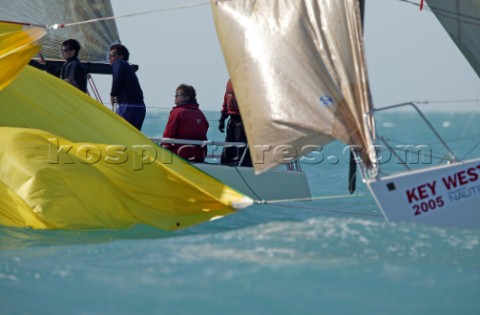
(246, 183)
(306, 199)
(157, 107)
(476, 21)
(331, 211)
(469, 152)
(426, 102)
(185, 6)
(433, 156)
(22, 23)
(259, 200)
(402, 142)
(471, 121)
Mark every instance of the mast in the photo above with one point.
(352, 169)
(362, 10)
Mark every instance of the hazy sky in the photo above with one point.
(409, 54)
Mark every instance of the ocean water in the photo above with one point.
(328, 256)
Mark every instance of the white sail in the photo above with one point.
(95, 38)
(299, 74)
(461, 19)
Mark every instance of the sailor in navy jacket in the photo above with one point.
(126, 90)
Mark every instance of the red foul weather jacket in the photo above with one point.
(187, 121)
(229, 106)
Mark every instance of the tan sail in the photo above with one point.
(298, 70)
(461, 19)
(95, 38)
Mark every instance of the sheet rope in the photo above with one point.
(259, 200)
(313, 198)
(115, 17)
(330, 210)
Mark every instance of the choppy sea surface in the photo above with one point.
(328, 256)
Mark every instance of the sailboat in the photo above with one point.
(443, 195)
(299, 70)
(300, 75)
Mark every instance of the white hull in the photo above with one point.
(447, 195)
(271, 185)
(274, 184)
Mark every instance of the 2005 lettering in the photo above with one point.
(431, 204)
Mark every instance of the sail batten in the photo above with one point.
(298, 70)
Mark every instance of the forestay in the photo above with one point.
(68, 162)
(299, 73)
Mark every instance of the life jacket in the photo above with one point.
(231, 100)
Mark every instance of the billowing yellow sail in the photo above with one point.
(67, 162)
(17, 46)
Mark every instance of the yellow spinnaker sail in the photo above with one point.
(17, 46)
(67, 162)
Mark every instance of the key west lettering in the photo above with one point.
(461, 178)
(451, 188)
(421, 192)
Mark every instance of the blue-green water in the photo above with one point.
(330, 256)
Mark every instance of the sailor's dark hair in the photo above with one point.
(72, 44)
(189, 91)
(121, 51)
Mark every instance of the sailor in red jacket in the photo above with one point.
(235, 130)
(187, 121)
